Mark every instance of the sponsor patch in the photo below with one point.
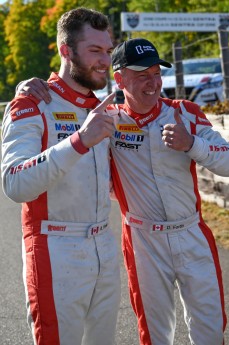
(24, 111)
(128, 128)
(65, 116)
(123, 145)
(129, 137)
(80, 100)
(56, 228)
(22, 108)
(28, 164)
(62, 136)
(60, 88)
(67, 127)
(218, 148)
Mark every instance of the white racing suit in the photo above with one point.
(70, 256)
(165, 239)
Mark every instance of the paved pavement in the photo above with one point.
(13, 327)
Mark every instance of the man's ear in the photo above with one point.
(64, 50)
(118, 79)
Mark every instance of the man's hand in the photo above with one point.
(37, 87)
(98, 125)
(176, 135)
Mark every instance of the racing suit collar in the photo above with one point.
(143, 119)
(59, 86)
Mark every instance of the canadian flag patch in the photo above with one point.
(157, 227)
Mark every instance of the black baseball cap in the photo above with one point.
(137, 54)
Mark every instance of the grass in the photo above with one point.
(217, 219)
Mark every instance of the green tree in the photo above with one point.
(28, 33)
(28, 45)
(113, 8)
(5, 89)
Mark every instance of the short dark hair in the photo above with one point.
(71, 24)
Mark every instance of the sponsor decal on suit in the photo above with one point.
(65, 116)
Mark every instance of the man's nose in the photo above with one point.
(152, 80)
(105, 59)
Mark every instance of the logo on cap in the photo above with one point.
(141, 49)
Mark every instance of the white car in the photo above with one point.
(197, 73)
(208, 92)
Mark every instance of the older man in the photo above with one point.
(155, 147)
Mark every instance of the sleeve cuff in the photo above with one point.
(199, 149)
(77, 144)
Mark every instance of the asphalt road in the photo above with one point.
(13, 326)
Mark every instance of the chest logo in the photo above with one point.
(65, 116)
(131, 128)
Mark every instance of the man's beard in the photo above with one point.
(83, 76)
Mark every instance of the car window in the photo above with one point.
(203, 67)
(164, 70)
